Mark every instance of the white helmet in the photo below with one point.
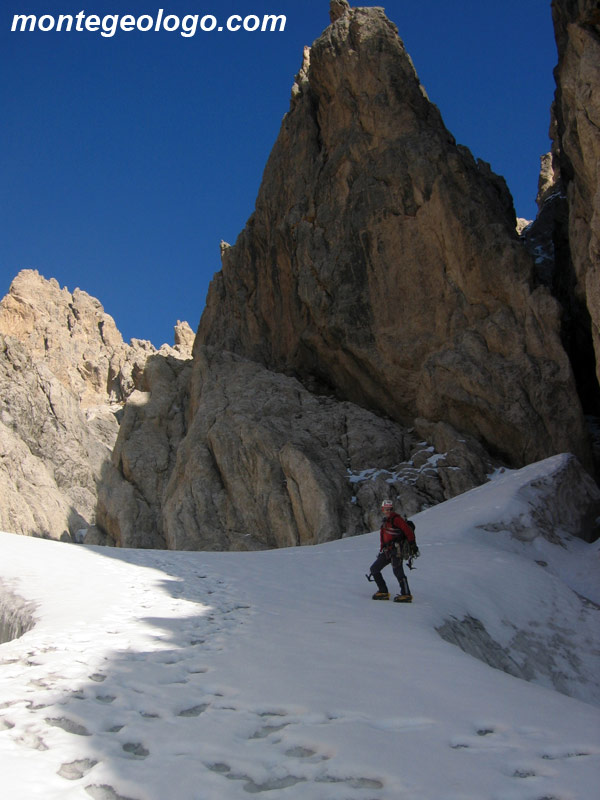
(386, 505)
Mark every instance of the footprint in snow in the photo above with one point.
(105, 698)
(136, 749)
(560, 753)
(266, 730)
(271, 733)
(104, 792)
(273, 783)
(194, 711)
(68, 725)
(300, 752)
(250, 784)
(32, 741)
(74, 770)
(498, 737)
(524, 773)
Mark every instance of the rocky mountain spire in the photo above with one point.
(382, 264)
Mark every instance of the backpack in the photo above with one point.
(409, 550)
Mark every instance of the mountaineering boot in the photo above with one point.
(403, 598)
(381, 596)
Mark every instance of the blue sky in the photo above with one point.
(126, 160)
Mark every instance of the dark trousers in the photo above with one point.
(382, 560)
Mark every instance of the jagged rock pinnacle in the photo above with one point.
(337, 9)
(366, 196)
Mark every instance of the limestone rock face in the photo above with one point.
(229, 455)
(50, 459)
(132, 489)
(382, 262)
(64, 375)
(73, 335)
(577, 144)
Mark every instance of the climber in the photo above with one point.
(394, 532)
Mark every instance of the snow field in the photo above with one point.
(211, 676)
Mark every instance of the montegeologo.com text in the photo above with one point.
(111, 24)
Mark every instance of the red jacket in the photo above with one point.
(393, 527)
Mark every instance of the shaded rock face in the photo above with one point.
(576, 147)
(382, 263)
(132, 487)
(65, 373)
(226, 454)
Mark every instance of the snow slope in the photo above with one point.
(190, 676)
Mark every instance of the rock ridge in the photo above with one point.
(65, 374)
